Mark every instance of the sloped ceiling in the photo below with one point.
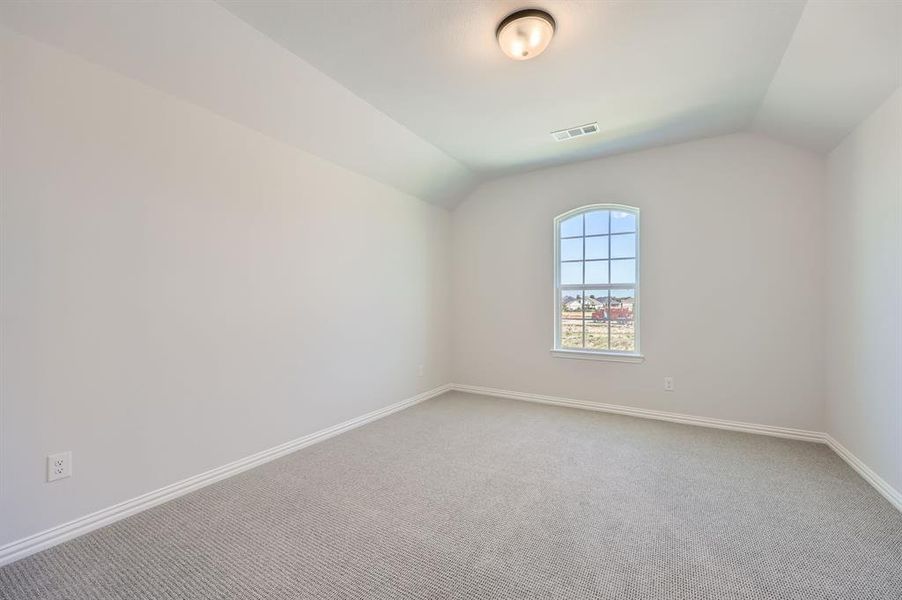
(843, 61)
(202, 53)
(417, 95)
(649, 72)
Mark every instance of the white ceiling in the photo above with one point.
(844, 60)
(418, 95)
(649, 72)
(203, 54)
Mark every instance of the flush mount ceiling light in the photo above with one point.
(525, 34)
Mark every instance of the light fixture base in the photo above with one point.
(521, 14)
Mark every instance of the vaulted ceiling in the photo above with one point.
(418, 95)
(843, 61)
(649, 72)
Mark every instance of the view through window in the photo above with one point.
(597, 279)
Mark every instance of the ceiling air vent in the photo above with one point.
(573, 132)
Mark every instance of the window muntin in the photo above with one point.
(597, 280)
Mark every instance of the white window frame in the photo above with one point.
(607, 355)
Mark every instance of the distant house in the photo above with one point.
(576, 303)
(594, 304)
(572, 303)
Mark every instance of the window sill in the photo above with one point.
(604, 356)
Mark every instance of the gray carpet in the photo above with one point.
(472, 497)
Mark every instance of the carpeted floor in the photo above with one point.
(477, 498)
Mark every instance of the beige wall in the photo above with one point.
(864, 292)
(180, 292)
(732, 238)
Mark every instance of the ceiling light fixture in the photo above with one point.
(525, 34)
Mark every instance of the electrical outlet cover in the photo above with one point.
(59, 465)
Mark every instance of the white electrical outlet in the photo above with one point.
(420, 370)
(59, 466)
(668, 384)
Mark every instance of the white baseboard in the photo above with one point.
(783, 432)
(878, 483)
(55, 535)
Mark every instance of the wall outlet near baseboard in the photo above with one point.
(668, 384)
(59, 466)
(420, 371)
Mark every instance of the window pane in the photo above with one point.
(571, 304)
(596, 320)
(622, 271)
(597, 222)
(597, 271)
(623, 246)
(597, 247)
(572, 249)
(595, 303)
(571, 334)
(622, 222)
(571, 273)
(571, 318)
(572, 226)
(623, 323)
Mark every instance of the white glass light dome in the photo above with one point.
(525, 34)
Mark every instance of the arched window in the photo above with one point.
(596, 274)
